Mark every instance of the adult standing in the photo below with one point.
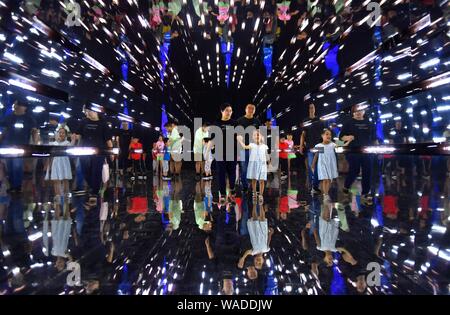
(246, 121)
(225, 152)
(93, 131)
(200, 134)
(311, 135)
(358, 131)
(19, 126)
(124, 143)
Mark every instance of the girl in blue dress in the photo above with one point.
(257, 164)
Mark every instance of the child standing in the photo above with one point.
(160, 153)
(291, 153)
(155, 159)
(60, 171)
(326, 163)
(283, 146)
(136, 155)
(257, 165)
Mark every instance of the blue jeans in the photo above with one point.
(225, 168)
(243, 165)
(14, 219)
(15, 172)
(313, 178)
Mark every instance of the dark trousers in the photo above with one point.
(137, 167)
(225, 168)
(92, 172)
(355, 163)
(284, 166)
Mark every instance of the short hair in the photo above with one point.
(19, 103)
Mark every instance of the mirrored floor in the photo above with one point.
(149, 236)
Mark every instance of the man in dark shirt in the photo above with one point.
(246, 121)
(222, 246)
(356, 132)
(311, 135)
(16, 130)
(401, 134)
(124, 143)
(47, 133)
(225, 152)
(94, 132)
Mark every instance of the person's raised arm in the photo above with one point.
(313, 166)
(244, 256)
(209, 248)
(241, 142)
(302, 142)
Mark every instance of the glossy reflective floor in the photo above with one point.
(150, 236)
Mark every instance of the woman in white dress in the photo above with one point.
(326, 162)
(257, 164)
(60, 171)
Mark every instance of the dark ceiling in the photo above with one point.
(310, 54)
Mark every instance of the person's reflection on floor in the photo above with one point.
(203, 206)
(175, 207)
(15, 239)
(328, 233)
(60, 232)
(18, 127)
(310, 238)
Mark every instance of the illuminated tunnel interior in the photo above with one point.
(206, 147)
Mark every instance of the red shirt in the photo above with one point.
(284, 147)
(136, 146)
(284, 204)
(390, 205)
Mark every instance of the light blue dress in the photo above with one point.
(327, 164)
(257, 164)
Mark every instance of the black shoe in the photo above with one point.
(198, 177)
(79, 192)
(14, 190)
(367, 200)
(315, 191)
